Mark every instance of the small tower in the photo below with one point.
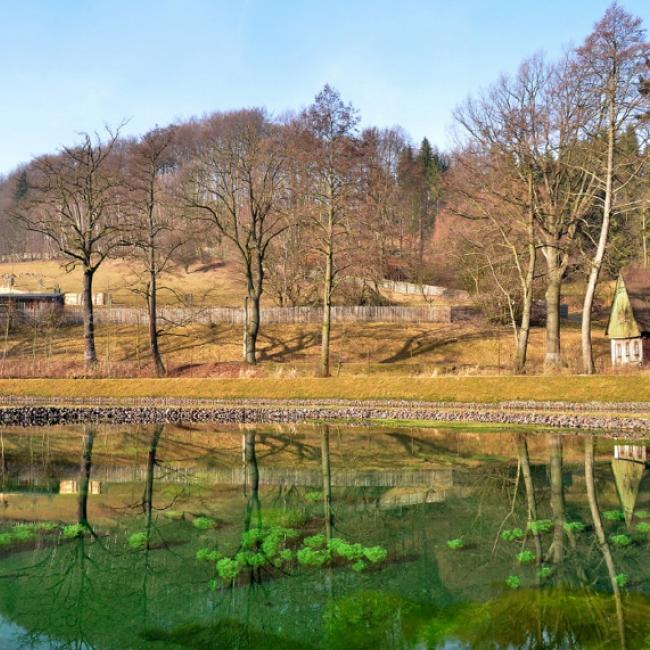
(628, 327)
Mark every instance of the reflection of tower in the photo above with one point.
(72, 487)
(628, 466)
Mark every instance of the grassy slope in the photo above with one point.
(217, 284)
(461, 389)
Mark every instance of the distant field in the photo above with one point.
(459, 389)
(218, 284)
(214, 284)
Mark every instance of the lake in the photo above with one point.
(322, 536)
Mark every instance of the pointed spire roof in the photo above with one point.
(628, 475)
(630, 313)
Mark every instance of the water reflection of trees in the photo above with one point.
(578, 555)
(580, 603)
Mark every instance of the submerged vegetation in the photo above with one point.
(278, 547)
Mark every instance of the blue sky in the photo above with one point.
(73, 65)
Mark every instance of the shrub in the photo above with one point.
(621, 540)
(574, 526)
(643, 527)
(545, 572)
(138, 540)
(642, 514)
(286, 555)
(228, 569)
(375, 554)
(208, 555)
(203, 523)
(513, 582)
(526, 557)
(47, 526)
(314, 497)
(345, 550)
(256, 559)
(540, 526)
(74, 530)
(622, 579)
(6, 539)
(23, 532)
(311, 557)
(359, 566)
(252, 537)
(174, 515)
(455, 544)
(314, 541)
(336, 543)
(512, 534)
(614, 515)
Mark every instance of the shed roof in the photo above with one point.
(637, 285)
(630, 312)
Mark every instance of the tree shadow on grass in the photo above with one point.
(277, 349)
(420, 344)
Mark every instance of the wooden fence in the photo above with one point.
(28, 257)
(278, 315)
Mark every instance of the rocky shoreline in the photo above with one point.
(37, 416)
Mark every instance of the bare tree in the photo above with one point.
(564, 191)
(331, 152)
(152, 230)
(237, 183)
(492, 182)
(611, 61)
(75, 201)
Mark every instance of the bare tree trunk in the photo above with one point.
(152, 304)
(147, 499)
(252, 328)
(524, 462)
(327, 481)
(557, 499)
(90, 352)
(528, 279)
(644, 236)
(421, 243)
(84, 476)
(588, 366)
(252, 479)
(327, 311)
(523, 334)
(601, 537)
(553, 296)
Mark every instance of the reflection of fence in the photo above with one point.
(637, 453)
(232, 316)
(439, 478)
(72, 487)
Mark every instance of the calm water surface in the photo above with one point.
(322, 537)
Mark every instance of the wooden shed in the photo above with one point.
(31, 303)
(628, 327)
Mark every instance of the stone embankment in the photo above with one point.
(255, 402)
(30, 416)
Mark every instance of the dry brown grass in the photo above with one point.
(460, 389)
(429, 349)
